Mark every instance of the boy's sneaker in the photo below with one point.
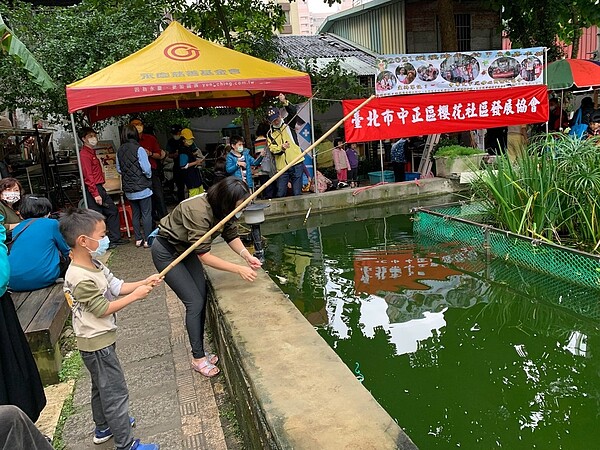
(137, 445)
(101, 436)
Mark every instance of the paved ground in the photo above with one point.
(173, 405)
(55, 397)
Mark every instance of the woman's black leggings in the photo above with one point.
(187, 281)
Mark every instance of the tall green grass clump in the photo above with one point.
(552, 192)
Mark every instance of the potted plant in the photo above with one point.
(456, 159)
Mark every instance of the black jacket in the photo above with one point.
(132, 177)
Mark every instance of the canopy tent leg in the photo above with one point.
(79, 162)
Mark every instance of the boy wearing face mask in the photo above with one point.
(239, 161)
(92, 292)
(93, 178)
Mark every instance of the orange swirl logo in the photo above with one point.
(180, 51)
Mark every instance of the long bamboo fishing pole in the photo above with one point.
(260, 189)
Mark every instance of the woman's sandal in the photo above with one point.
(139, 243)
(211, 358)
(206, 368)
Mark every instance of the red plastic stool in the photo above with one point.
(125, 218)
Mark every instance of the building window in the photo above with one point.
(463, 31)
(462, 23)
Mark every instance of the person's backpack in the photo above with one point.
(578, 129)
(13, 238)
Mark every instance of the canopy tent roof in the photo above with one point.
(182, 70)
(573, 73)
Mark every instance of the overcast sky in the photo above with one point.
(320, 6)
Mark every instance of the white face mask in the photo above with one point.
(102, 246)
(176, 137)
(93, 141)
(11, 197)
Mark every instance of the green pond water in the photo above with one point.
(462, 352)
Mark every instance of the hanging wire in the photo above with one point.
(327, 100)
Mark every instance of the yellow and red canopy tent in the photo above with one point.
(182, 70)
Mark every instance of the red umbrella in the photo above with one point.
(568, 73)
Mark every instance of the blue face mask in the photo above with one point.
(102, 246)
(238, 214)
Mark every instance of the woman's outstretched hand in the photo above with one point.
(247, 273)
(254, 263)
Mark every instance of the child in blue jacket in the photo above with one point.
(239, 161)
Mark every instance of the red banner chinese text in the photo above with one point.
(416, 115)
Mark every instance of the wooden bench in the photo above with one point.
(42, 315)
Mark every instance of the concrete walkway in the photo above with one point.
(173, 406)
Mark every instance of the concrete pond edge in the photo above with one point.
(290, 388)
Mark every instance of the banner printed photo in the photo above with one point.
(444, 72)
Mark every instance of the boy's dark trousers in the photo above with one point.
(110, 397)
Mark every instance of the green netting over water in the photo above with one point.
(466, 224)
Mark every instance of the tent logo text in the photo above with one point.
(181, 51)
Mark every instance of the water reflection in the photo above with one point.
(463, 352)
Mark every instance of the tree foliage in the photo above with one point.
(330, 82)
(532, 23)
(74, 42)
(244, 25)
(575, 16)
(71, 43)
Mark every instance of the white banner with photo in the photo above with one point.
(444, 72)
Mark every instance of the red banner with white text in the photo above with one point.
(416, 115)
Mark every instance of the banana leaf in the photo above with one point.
(11, 45)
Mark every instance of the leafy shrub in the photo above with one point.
(452, 151)
(552, 193)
